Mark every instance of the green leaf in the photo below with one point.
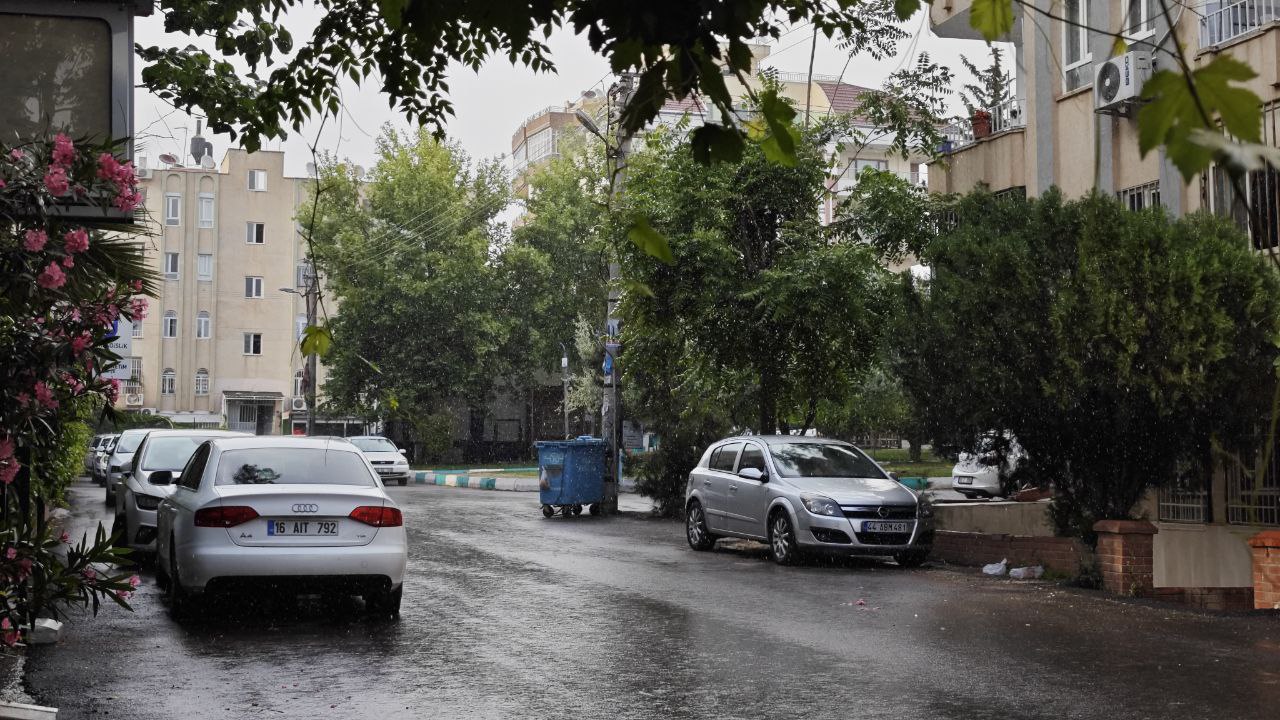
(316, 340)
(650, 241)
(778, 115)
(1119, 46)
(716, 143)
(992, 18)
(904, 9)
(393, 12)
(638, 287)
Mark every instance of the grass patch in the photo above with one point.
(896, 459)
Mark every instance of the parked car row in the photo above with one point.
(228, 511)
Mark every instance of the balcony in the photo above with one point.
(1232, 21)
(997, 159)
(950, 19)
(1008, 115)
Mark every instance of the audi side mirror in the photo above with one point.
(751, 473)
(161, 477)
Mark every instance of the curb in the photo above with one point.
(462, 480)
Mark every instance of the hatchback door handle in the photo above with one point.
(706, 483)
(733, 488)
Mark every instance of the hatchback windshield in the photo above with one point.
(375, 444)
(822, 460)
(292, 466)
(170, 453)
(129, 442)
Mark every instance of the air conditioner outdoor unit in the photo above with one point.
(144, 173)
(133, 399)
(148, 411)
(299, 403)
(1118, 80)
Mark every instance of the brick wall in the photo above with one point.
(1207, 598)
(1124, 555)
(1061, 555)
(1266, 569)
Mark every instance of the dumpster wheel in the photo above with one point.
(577, 510)
(595, 508)
(548, 511)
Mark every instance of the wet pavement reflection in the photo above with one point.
(509, 615)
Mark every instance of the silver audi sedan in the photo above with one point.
(280, 514)
(801, 495)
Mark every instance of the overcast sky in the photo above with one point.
(491, 104)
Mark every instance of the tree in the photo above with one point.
(1115, 346)
(897, 218)
(763, 316)
(412, 248)
(991, 88)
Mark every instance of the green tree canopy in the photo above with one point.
(1114, 345)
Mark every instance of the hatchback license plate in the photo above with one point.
(965, 480)
(302, 527)
(886, 527)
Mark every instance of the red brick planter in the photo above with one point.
(1266, 569)
(1125, 555)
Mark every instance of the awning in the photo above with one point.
(252, 395)
(194, 418)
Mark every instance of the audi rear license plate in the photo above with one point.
(886, 527)
(965, 480)
(301, 527)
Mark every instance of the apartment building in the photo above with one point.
(537, 139)
(219, 346)
(1071, 124)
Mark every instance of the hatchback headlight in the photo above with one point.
(819, 505)
(146, 502)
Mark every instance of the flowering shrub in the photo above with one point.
(64, 285)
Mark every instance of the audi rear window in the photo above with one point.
(293, 466)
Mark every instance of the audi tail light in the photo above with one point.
(228, 516)
(377, 516)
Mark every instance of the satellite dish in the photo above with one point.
(207, 162)
(311, 169)
(168, 159)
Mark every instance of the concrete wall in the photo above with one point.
(998, 518)
(1203, 555)
(998, 160)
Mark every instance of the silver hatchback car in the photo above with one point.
(802, 494)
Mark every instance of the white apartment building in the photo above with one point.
(1071, 124)
(219, 346)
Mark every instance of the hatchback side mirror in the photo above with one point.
(403, 451)
(893, 475)
(161, 477)
(751, 473)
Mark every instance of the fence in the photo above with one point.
(1236, 19)
(1008, 115)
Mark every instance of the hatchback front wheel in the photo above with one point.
(782, 539)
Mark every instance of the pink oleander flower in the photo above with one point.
(2, 184)
(80, 342)
(68, 262)
(9, 464)
(24, 568)
(65, 537)
(52, 278)
(134, 581)
(7, 634)
(23, 399)
(44, 395)
(11, 554)
(138, 309)
(64, 152)
(16, 154)
(75, 241)
(127, 201)
(89, 573)
(55, 181)
(135, 285)
(124, 594)
(34, 240)
(112, 390)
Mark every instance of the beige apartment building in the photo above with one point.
(1071, 124)
(219, 346)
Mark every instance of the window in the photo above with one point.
(1261, 189)
(205, 216)
(202, 382)
(133, 386)
(1077, 71)
(300, 326)
(252, 287)
(191, 474)
(253, 343)
(1140, 197)
(297, 384)
(1183, 503)
(303, 275)
(287, 466)
(255, 233)
(824, 460)
(751, 458)
(1253, 500)
(202, 325)
(725, 457)
(168, 382)
(258, 180)
(540, 144)
(172, 209)
(137, 328)
(170, 266)
(1140, 19)
(169, 325)
(204, 266)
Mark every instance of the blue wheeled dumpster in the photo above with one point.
(570, 475)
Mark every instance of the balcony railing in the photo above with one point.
(1232, 21)
(1008, 115)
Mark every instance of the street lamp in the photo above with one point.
(587, 122)
(310, 375)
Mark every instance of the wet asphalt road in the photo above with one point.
(508, 615)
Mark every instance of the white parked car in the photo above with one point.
(293, 514)
(387, 459)
(156, 465)
(978, 474)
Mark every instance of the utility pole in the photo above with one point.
(611, 401)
